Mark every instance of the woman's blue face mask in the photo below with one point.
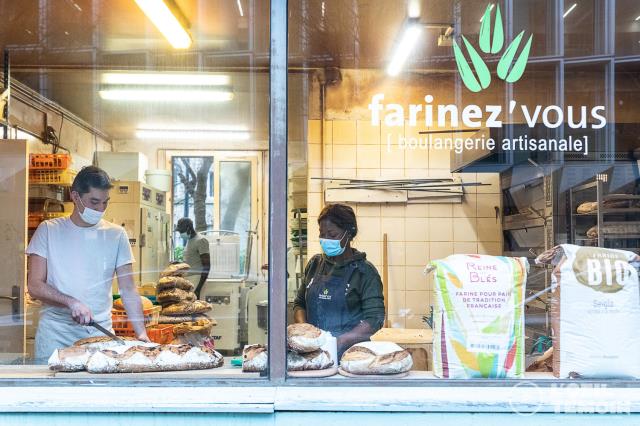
(332, 248)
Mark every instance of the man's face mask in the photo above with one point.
(89, 215)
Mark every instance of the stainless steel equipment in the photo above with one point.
(141, 210)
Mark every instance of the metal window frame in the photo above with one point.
(278, 157)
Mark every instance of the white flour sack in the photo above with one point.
(595, 312)
(478, 321)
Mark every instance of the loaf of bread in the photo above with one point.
(174, 295)
(177, 319)
(139, 359)
(254, 358)
(175, 270)
(317, 360)
(200, 326)
(187, 308)
(146, 303)
(376, 358)
(167, 283)
(588, 207)
(75, 358)
(304, 338)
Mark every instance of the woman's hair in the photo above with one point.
(342, 216)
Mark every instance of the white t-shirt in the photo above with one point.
(81, 262)
(196, 246)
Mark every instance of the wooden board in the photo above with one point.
(327, 372)
(404, 335)
(369, 376)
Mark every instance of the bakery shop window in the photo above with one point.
(134, 175)
(463, 193)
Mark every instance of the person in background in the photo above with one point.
(196, 253)
(341, 291)
(72, 261)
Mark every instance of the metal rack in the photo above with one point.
(605, 218)
(299, 241)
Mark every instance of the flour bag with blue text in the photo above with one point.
(478, 322)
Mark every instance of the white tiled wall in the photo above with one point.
(416, 233)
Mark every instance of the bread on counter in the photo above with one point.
(167, 283)
(176, 269)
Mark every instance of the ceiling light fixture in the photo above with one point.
(240, 7)
(168, 19)
(165, 79)
(413, 9)
(193, 132)
(404, 47)
(570, 10)
(637, 19)
(490, 9)
(168, 95)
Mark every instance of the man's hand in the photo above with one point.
(143, 337)
(80, 312)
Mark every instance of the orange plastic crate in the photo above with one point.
(49, 161)
(51, 177)
(161, 333)
(123, 327)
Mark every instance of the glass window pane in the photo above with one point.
(538, 18)
(235, 203)
(584, 30)
(627, 27)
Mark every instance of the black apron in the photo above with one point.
(326, 301)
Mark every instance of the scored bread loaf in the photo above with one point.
(174, 295)
(140, 359)
(176, 269)
(317, 360)
(303, 337)
(187, 308)
(177, 319)
(376, 358)
(254, 358)
(167, 283)
(75, 358)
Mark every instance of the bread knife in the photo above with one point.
(106, 332)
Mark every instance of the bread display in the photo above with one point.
(588, 207)
(146, 303)
(168, 283)
(175, 270)
(376, 358)
(140, 359)
(174, 295)
(304, 338)
(254, 358)
(133, 357)
(187, 308)
(198, 326)
(317, 360)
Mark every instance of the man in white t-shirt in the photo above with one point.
(196, 253)
(72, 262)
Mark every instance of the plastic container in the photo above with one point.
(161, 333)
(49, 161)
(123, 327)
(52, 177)
(159, 179)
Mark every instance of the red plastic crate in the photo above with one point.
(161, 333)
(123, 327)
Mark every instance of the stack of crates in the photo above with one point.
(50, 169)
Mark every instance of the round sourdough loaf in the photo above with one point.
(303, 337)
(376, 358)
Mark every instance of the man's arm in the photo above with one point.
(40, 290)
(131, 300)
(206, 267)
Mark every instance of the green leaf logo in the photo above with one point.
(468, 78)
(491, 42)
(507, 59)
(485, 32)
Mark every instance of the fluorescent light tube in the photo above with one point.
(638, 18)
(239, 2)
(192, 134)
(404, 48)
(413, 8)
(165, 79)
(570, 10)
(168, 95)
(166, 22)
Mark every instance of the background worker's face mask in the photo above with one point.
(332, 247)
(90, 216)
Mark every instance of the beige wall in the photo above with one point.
(416, 232)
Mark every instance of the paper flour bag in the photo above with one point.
(478, 321)
(595, 312)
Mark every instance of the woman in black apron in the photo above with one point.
(341, 291)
